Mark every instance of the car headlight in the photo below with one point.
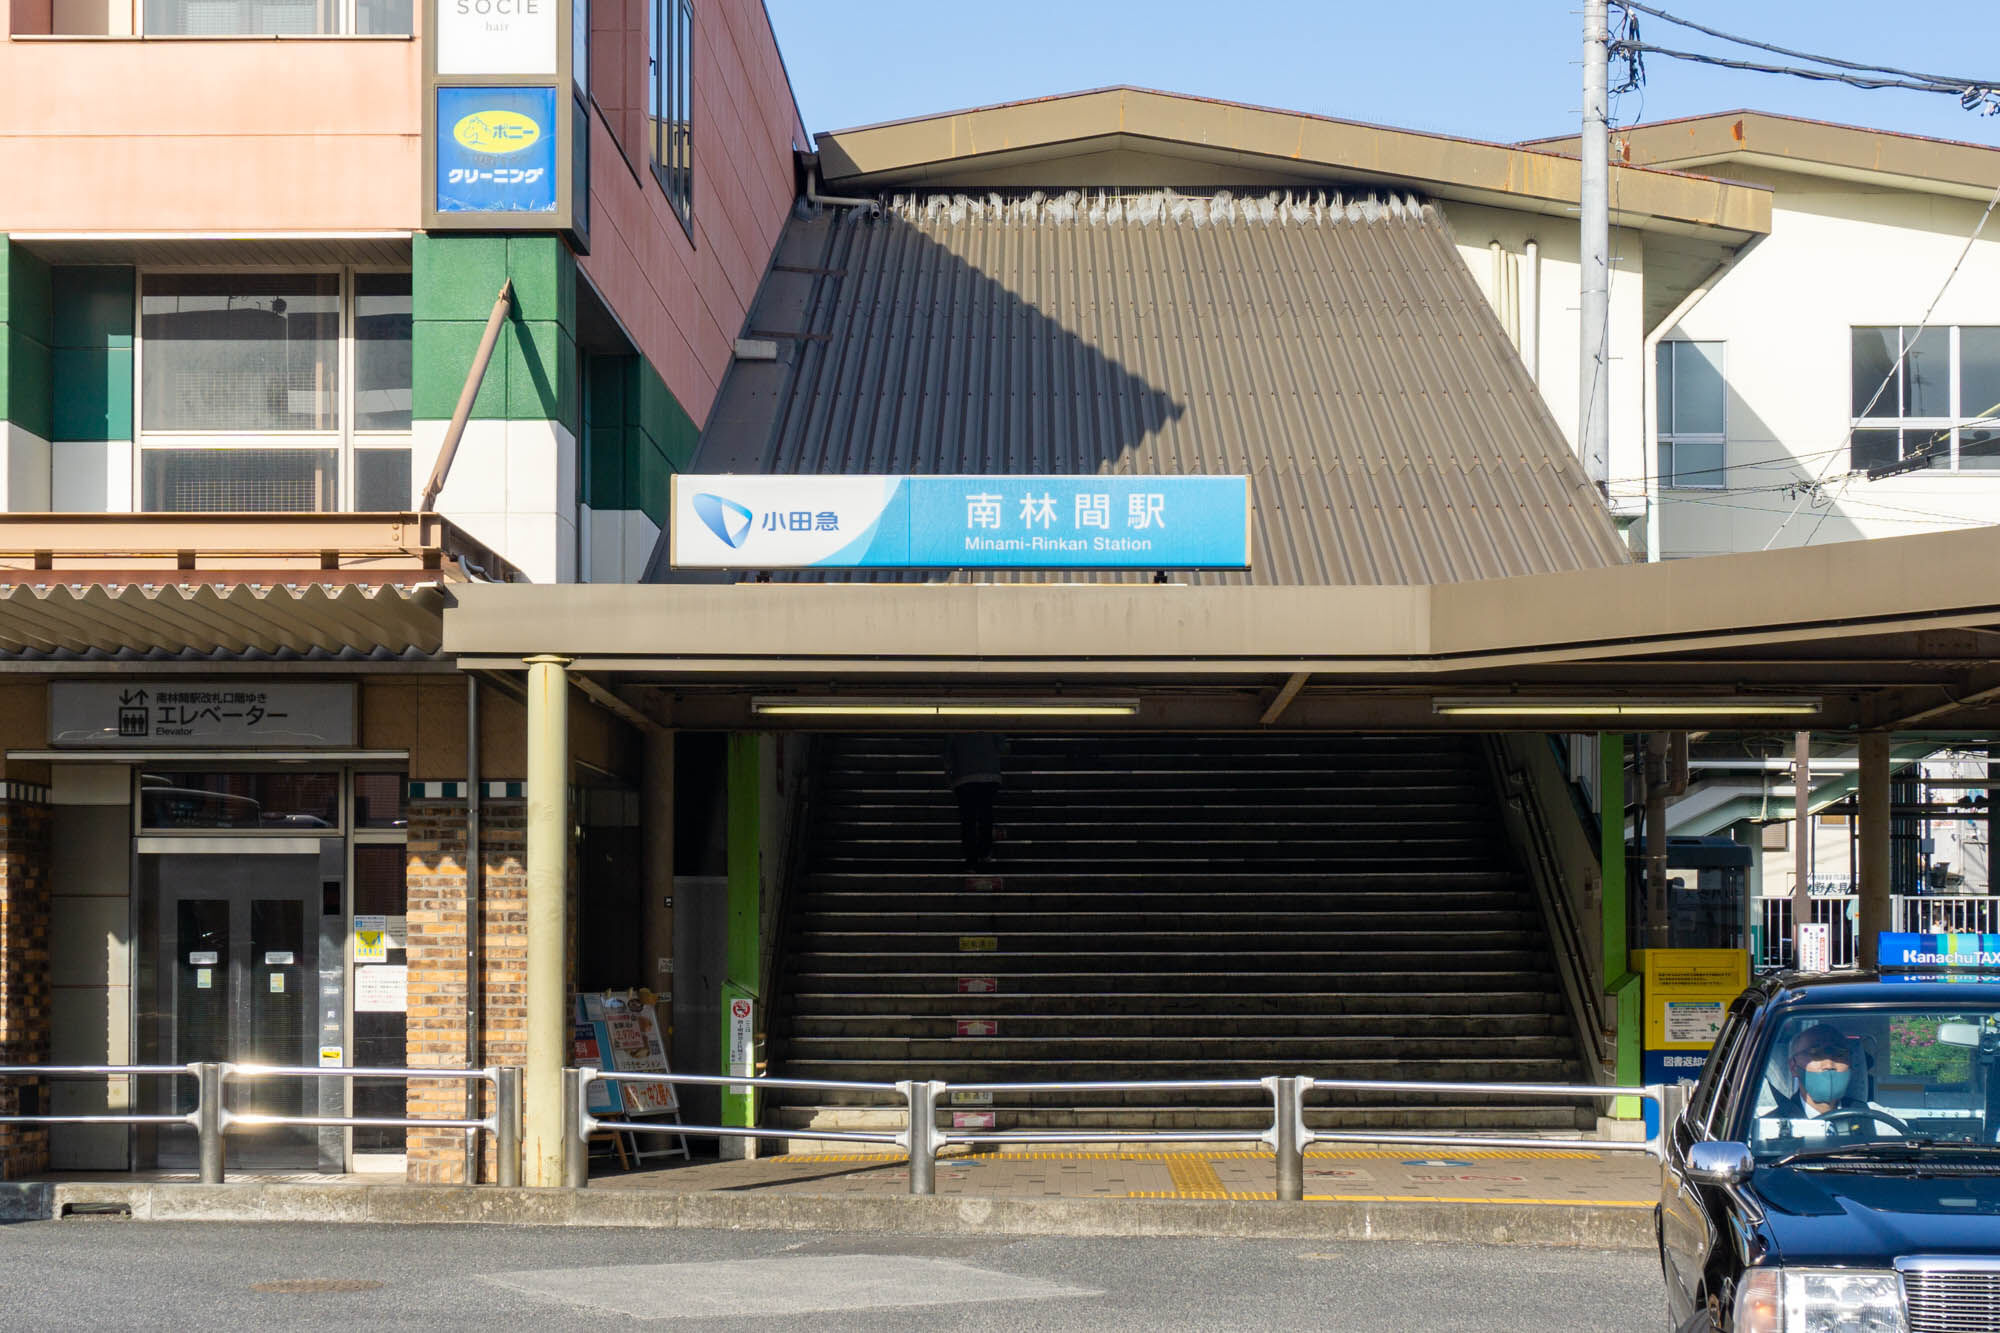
(1820, 1300)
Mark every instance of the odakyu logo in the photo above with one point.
(725, 518)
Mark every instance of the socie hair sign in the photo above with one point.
(485, 37)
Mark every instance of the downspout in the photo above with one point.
(813, 196)
(1531, 310)
(463, 412)
(1649, 355)
(474, 863)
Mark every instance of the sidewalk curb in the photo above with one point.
(1588, 1226)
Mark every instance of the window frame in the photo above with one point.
(345, 16)
(1953, 426)
(670, 41)
(1667, 440)
(345, 438)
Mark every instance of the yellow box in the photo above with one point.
(1686, 993)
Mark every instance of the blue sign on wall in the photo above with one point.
(496, 150)
(877, 522)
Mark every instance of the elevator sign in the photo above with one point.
(184, 714)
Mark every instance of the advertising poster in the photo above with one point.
(619, 1033)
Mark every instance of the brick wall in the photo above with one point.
(436, 957)
(24, 971)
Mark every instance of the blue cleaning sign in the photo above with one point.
(1907, 949)
(851, 522)
(496, 150)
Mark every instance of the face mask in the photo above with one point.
(1825, 1085)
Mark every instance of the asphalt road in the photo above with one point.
(116, 1274)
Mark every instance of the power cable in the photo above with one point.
(1941, 80)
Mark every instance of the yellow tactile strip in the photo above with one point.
(1195, 1174)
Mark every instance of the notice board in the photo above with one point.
(618, 1032)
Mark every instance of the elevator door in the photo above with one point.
(238, 981)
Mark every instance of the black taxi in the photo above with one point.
(1837, 1168)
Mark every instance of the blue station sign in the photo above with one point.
(496, 150)
(875, 522)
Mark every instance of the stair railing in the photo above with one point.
(1568, 940)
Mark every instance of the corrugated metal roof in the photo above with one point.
(97, 622)
(1334, 349)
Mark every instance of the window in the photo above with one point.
(1691, 415)
(274, 392)
(274, 18)
(670, 104)
(1926, 398)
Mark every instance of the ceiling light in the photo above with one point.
(792, 706)
(1502, 705)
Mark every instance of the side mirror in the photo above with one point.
(1720, 1163)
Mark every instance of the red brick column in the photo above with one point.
(437, 992)
(24, 971)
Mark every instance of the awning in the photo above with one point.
(56, 623)
(1896, 631)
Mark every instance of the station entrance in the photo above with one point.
(1169, 907)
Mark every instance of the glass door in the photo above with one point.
(235, 963)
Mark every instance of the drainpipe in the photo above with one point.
(548, 886)
(463, 412)
(1531, 310)
(1650, 370)
(474, 864)
(874, 206)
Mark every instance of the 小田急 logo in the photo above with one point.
(725, 518)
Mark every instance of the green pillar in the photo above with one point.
(743, 950)
(1621, 984)
(26, 374)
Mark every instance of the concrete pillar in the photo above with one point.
(548, 927)
(1874, 801)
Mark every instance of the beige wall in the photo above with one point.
(209, 135)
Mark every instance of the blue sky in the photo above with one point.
(1486, 69)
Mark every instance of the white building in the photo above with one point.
(1766, 428)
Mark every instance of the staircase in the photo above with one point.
(1171, 908)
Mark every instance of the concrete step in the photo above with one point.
(1561, 1118)
(1022, 1024)
(1088, 1043)
(1108, 1069)
(1090, 956)
(1391, 1008)
(893, 975)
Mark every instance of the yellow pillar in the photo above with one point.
(548, 930)
(1874, 800)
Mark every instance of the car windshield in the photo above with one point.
(1837, 1079)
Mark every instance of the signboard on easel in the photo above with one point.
(616, 1031)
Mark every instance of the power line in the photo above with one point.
(1937, 79)
(1969, 94)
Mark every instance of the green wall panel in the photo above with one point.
(533, 375)
(25, 330)
(93, 307)
(93, 393)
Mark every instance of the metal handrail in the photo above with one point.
(922, 1140)
(212, 1121)
(97, 1071)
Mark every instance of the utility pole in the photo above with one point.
(1594, 417)
(1802, 848)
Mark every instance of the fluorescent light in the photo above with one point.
(794, 706)
(1734, 705)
